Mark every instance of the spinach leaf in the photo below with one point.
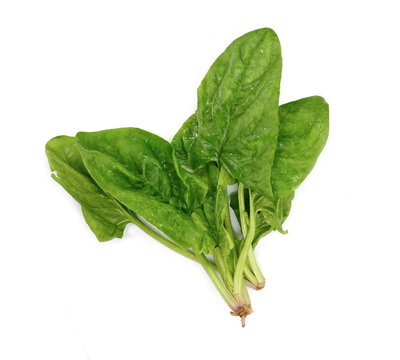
(105, 216)
(236, 122)
(136, 168)
(303, 131)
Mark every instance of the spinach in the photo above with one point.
(180, 193)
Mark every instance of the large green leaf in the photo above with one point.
(104, 215)
(303, 131)
(236, 122)
(136, 168)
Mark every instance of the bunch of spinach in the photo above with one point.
(178, 192)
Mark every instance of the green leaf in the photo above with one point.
(136, 167)
(236, 122)
(303, 131)
(104, 215)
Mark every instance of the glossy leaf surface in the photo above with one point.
(236, 122)
(303, 131)
(105, 216)
(136, 167)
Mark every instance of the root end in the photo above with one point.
(242, 311)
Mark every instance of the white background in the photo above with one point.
(333, 288)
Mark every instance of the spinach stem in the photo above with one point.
(223, 268)
(242, 210)
(238, 277)
(248, 274)
(161, 239)
(208, 266)
(246, 296)
(244, 220)
(233, 254)
(228, 221)
(256, 269)
(219, 284)
(249, 284)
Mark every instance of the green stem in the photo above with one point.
(210, 267)
(228, 221)
(242, 210)
(244, 220)
(249, 284)
(238, 277)
(223, 268)
(246, 296)
(256, 269)
(161, 239)
(248, 274)
(225, 263)
(224, 292)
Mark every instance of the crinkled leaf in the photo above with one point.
(236, 122)
(303, 131)
(104, 215)
(302, 135)
(136, 168)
